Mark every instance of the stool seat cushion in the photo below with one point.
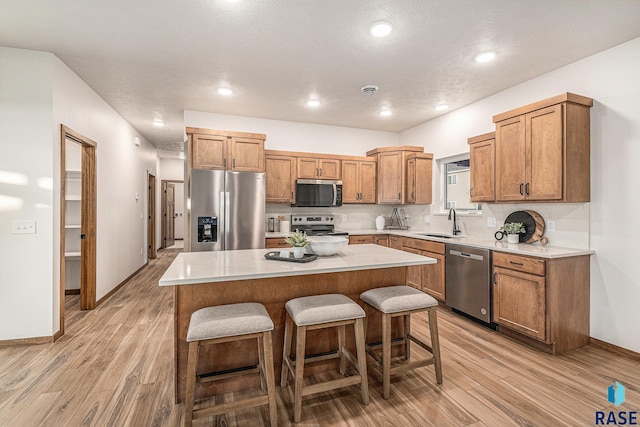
(395, 299)
(228, 320)
(327, 308)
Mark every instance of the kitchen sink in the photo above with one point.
(441, 235)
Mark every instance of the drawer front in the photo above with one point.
(276, 243)
(519, 263)
(361, 240)
(425, 245)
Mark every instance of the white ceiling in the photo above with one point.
(157, 58)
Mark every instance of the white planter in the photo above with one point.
(298, 251)
(513, 238)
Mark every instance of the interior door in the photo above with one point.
(170, 212)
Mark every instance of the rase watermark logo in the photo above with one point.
(615, 395)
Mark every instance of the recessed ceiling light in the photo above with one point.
(313, 103)
(485, 56)
(385, 112)
(226, 91)
(441, 107)
(381, 29)
(158, 123)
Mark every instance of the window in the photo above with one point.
(456, 178)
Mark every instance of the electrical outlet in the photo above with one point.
(491, 222)
(24, 227)
(427, 219)
(344, 217)
(551, 225)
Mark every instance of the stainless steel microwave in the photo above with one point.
(318, 193)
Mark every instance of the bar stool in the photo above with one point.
(225, 323)
(317, 312)
(393, 301)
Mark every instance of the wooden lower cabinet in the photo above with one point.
(381, 239)
(361, 240)
(428, 278)
(276, 242)
(395, 242)
(544, 302)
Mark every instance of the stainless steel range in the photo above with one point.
(316, 225)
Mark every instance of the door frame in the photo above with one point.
(151, 216)
(163, 209)
(88, 220)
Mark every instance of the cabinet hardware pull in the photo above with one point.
(470, 191)
(516, 263)
(292, 195)
(495, 278)
(233, 163)
(526, 189)
(320, 171)
(224, 163)
(521, 185)
(413, 195)
(399, 198)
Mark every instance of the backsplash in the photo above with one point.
(571, 219)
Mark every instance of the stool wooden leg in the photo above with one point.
(435, 343)
(386, 354)
(261, 364)
(286, 352)
(301, 337)
(407, 331)
(269, 373)
(192, 364)
(343, 359)
(362, 359)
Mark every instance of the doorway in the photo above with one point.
(151, 216)
(77, 220)
(172, 227)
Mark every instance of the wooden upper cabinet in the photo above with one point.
(482, 158)
(419, 178)
(358, 181)
(542, 151)
(247, 154)
(392, 172)
(209, 151)
(281, 178)
(318, 168)
(237, 151)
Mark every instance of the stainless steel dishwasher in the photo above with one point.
(468, 281)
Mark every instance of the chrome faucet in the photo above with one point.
(455, 230)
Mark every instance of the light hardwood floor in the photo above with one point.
(114, 367)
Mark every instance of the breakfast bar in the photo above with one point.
(203, 279)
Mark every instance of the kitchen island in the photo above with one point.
(203, 279)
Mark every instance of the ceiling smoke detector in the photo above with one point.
(369, 89)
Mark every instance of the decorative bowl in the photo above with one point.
(327, 245)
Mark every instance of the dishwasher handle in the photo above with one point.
(466, 255)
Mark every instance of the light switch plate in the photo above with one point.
(427, 219)
(24, 227)
(551, 225)
(344, 217)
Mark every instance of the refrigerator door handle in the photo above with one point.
(222, 221)
(227, 219)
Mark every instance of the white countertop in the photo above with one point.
(496, 245)
(222, 266)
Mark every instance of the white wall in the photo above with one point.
(295, 136)
(608, 223)
(26, 267)
(38, 93)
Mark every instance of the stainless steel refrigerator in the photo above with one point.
(227, 210)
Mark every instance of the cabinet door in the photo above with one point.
(247, 155)
(544, 154)
(329, 168)
(482, 165)
(433, 276)
(209, 151)
(308, 168)
(411, 181)
(390, 177)
(367, 182)
(414, 272)
(350, 181)
(382, 240)
(519, 302)
(422, 185)
(510, 159)
(395, 242)
(281, 178)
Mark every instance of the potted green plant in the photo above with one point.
(298, 240)
(513, 229)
